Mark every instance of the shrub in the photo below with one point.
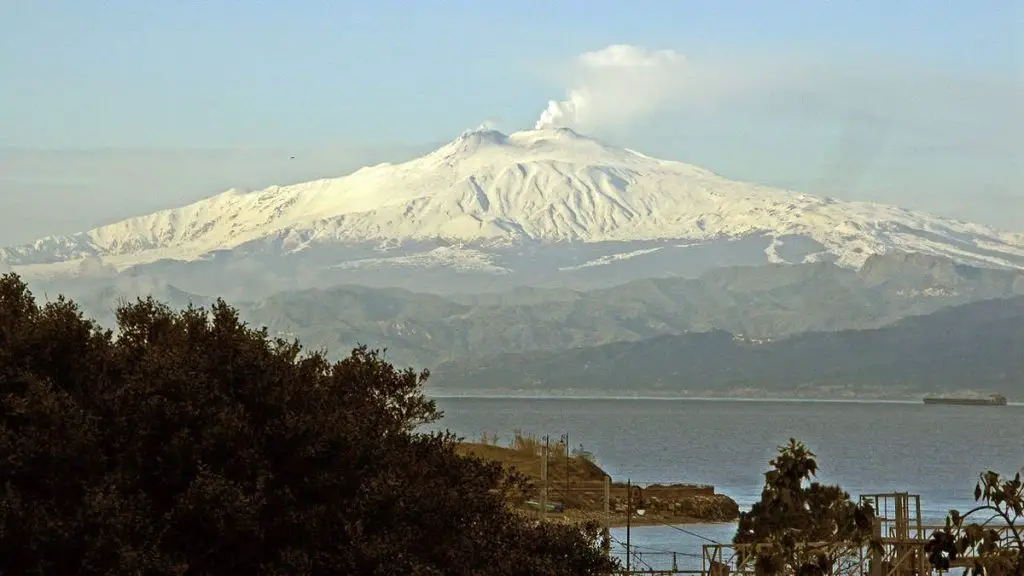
(802, 520)
(193, 444)
(996, 543)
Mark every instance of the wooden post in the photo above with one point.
(922, 562)
(607, 531)
(544, 480)
(566, 495)
(902, 550)
(629, 517)
(876, 557)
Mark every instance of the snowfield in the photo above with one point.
(487, 191)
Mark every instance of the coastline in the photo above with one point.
(619, 520)
(578, 490)
(524, 395)
(506, 395)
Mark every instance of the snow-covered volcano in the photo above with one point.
(475, 203)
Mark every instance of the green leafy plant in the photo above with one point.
(993, 545)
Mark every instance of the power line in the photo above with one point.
(694, 534)
(657, 550)
(685, 531)
(648, 548)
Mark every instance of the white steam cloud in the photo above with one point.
(616, 85)
(488, 125)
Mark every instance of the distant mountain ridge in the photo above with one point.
(530, 208)
(763, 302)
(973, 347)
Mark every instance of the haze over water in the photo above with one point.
(934, 451)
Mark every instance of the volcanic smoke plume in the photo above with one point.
(614, 86)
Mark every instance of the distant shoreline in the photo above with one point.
(618, 521)
(780, 399)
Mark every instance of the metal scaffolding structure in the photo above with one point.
(898, 545)
(898, 529)
(740, 559)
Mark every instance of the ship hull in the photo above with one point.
(967, 401)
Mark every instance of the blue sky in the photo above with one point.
(913, 102)
(121, 73)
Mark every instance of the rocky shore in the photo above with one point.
(576, 491)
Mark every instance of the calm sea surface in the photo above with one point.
(934, 451)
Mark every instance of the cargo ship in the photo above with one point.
(993, 400)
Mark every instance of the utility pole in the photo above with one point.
(544, 480)
(607, 532)
(629, 518)
(566, 496)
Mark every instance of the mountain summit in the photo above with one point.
(473, 201)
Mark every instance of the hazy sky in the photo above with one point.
(917, 103)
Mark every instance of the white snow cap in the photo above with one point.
(549, 185)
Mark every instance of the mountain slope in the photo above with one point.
(976, 346)
(100, 300)
(486, 193)
(762, 302)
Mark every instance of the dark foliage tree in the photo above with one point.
(191, 444)
(995, 546)
(805, 525)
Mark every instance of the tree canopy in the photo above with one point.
(805, 523)
(189, 443)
